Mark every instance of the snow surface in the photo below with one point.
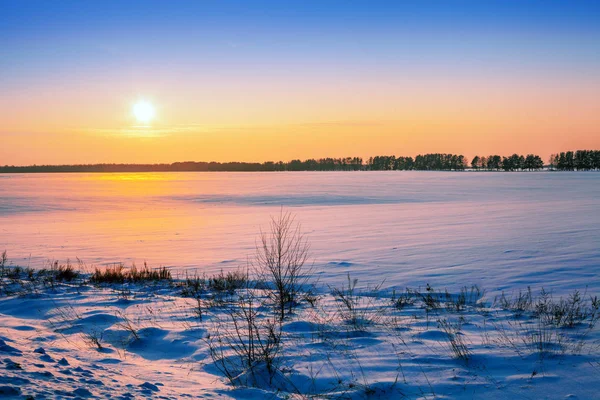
(501, 231)
(46, 351)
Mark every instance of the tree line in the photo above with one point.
(565, 161)
(580, 160)
(426, 162)
(516, 162)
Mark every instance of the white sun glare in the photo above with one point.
(143, 111)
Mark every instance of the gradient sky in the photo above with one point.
(270, 80)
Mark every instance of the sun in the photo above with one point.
(143, 111)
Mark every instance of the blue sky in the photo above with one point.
(458, 34)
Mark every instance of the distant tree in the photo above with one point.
(494, 162)
(528, 163)
(584, 160)
(483, 162)
(520, 163)
(533, 162)
(538, 163)
(553, 161)
(476, 162)
(596, 159)
(462, 163)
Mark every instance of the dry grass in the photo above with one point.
(119, 274)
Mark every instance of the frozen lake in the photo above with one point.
(500, 230)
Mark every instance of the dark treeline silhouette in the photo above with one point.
(323, 164)
(516, 162)
(566, 161)
(427, 162)
(387, 163)
(580, 160)
(436, 162)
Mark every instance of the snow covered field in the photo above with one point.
(175, 339)
(437, 234)
(499, 230)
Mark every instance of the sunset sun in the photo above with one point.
(143, 111)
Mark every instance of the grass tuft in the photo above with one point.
(119, 274)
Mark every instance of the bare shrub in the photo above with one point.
(280, 259)
(249, 346)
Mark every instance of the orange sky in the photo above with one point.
(245, 85)
(89, 124)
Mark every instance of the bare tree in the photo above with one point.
(281, 256)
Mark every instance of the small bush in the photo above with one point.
(65, 272)
(402, 300)
(228, 282)
(551, 324)
(566, 313)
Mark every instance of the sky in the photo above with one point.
(278, 80)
